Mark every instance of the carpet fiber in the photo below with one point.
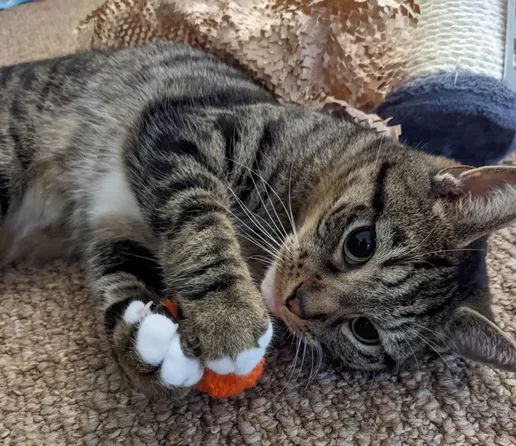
(59, 385)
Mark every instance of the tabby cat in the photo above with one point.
(176, 176)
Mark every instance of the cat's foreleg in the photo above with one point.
(224, 317)
(126, 275)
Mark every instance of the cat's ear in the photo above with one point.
(477, 200)
(473, 336)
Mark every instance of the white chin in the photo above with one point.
(268, 288)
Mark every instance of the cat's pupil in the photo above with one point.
(364, 330)
(359, 245)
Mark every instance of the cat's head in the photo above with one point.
(389, 259)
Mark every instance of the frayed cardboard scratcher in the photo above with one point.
(310, 52)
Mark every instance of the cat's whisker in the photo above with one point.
(272, 250)
(294, 339)
(276, 212)
(279, 245)
(262, 258)
(254, 172)
(265, 263)
(298, 350)
(250, 214)
(422, 242)
(261, 243)
(426, 262)
(309, 380)
(291, 216)
(293, 365)
(302, 359)
(372, 382)
(445, 250)
(257, 244)
(281, 236)
(255, 221)
(377, 161)
(413, 352)
(416, 257)
(440, 336)
(397, 369)
(291, 219)
(313, 370)
(271, 188)
(285, 232)
(254, 217)
(320, 357)
(298, 346)
(432, 346)
(141, 257)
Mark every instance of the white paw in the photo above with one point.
(177, 369)
(134, 311)
(158, 342)
(245, 361)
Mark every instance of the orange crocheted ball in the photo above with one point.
(221, 386)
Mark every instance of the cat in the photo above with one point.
(174, 175)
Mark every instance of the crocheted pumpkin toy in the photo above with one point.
(220, 386)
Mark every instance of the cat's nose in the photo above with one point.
(295, 302)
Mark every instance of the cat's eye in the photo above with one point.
(359, 246)
(364, 330)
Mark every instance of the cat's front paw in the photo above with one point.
(245, 361)
(148, 346)
(229, 338)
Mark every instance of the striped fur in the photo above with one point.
(173, 173)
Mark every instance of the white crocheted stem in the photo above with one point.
(460, 35)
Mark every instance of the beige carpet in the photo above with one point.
(59, 386)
